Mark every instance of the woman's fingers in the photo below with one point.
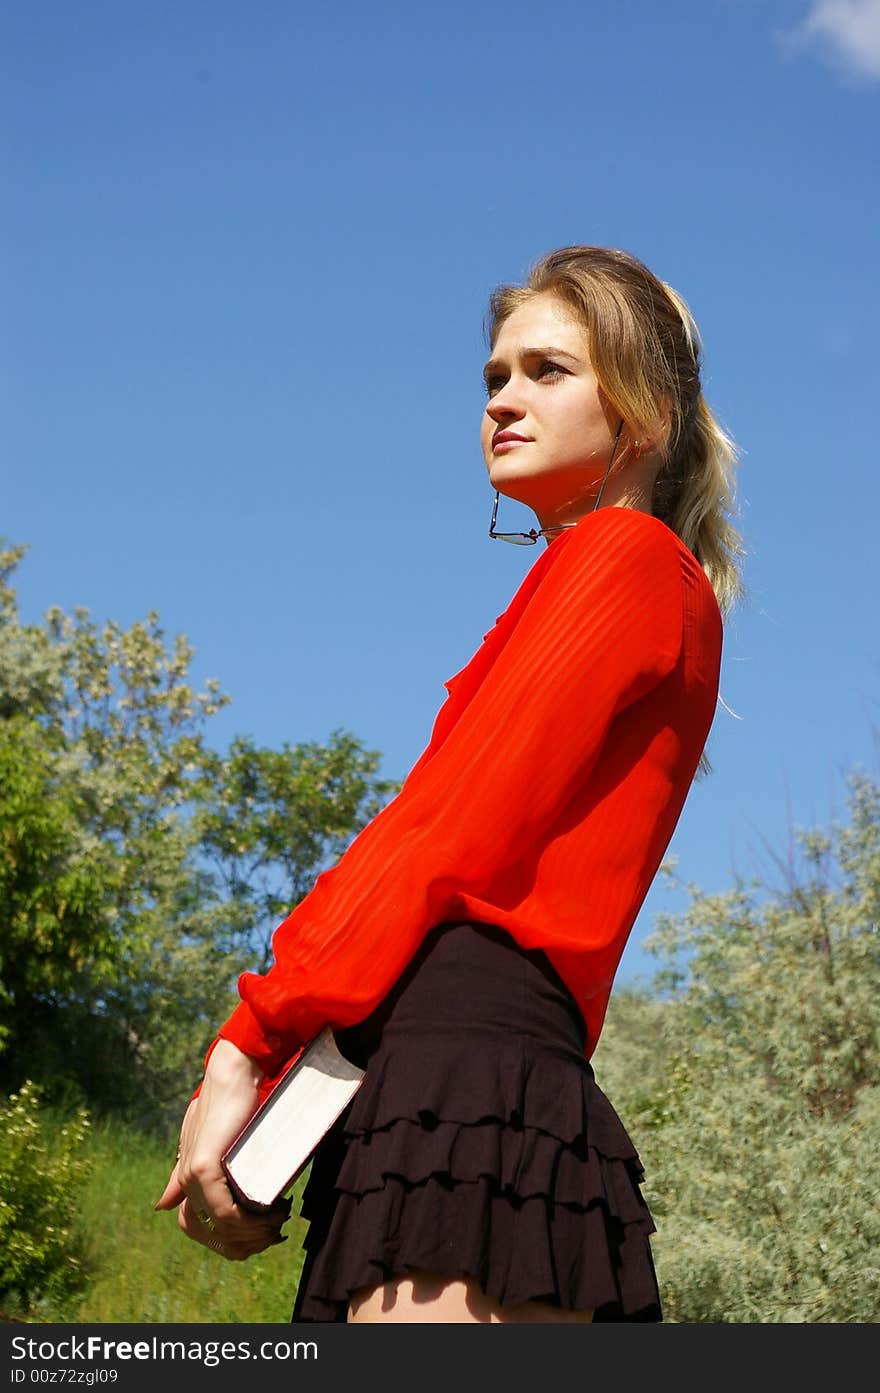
(234, 1238)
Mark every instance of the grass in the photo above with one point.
(141, 1268)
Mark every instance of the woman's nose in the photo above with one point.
(504, 404)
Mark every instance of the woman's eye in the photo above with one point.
(547, 369)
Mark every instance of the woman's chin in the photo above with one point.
(511, 485)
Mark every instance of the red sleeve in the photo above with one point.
(603, 627)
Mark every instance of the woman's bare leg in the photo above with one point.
(425, 1297)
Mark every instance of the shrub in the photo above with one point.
(42, 1172)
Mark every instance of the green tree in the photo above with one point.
(267, 819)
(141, 870)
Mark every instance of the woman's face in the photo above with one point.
(542, 388)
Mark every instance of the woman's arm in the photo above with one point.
(603, 627)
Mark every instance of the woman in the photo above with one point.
(465, 945)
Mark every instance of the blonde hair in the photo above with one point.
(645, 349)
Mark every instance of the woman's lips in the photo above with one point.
(500, 447)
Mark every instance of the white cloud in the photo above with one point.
(848, 31)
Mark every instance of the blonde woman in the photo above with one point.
(465, 946)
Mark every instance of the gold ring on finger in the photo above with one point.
(204, 1218)
(216, 1245)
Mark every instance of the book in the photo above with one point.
(299, 1109)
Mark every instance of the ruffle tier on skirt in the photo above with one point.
(478, 1145)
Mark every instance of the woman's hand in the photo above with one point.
(207, 1211)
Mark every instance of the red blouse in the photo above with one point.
(554, 778)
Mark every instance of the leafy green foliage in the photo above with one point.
(140, 870)
(42, 1172)
(54, 885)
(265, 819)
(759, 1126)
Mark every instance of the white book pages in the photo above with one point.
(281, 1136)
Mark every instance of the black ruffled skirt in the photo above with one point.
(478, 1145)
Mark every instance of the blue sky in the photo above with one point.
(246, 257)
